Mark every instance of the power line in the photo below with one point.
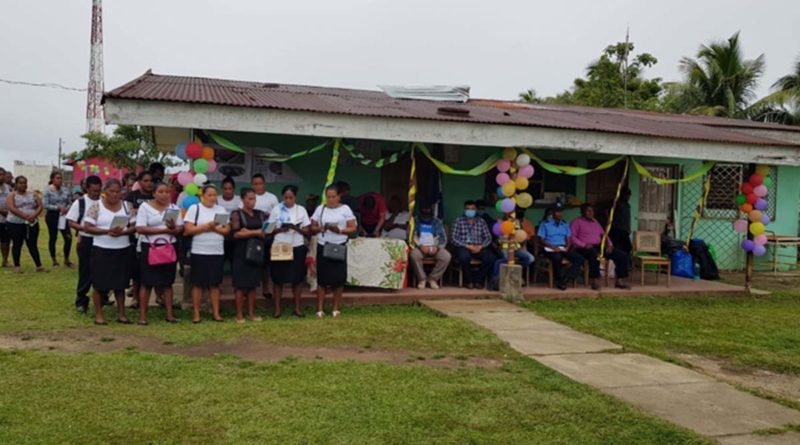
(43, 85)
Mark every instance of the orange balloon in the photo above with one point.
(507, 228)
(208, 153)
(746, 207)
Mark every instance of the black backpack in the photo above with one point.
(702, 256)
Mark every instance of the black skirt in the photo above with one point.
(207, 270)
(330, 273)
(110, 269)
(136, 274)
(290, 272)
(246, 275)
(162, 275)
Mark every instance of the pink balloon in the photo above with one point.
(526, 172)
(212, 166)
(761, 191)
(503, 165)
(185, 178)
(502, 178)
(760, 240)
(740, 226)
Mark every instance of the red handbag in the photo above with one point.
(161, 252)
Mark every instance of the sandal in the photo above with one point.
(241, 321)
(320, 314)
(196, 321)
(336, 314)
(121, 321)
(171, 320)
(299, 314)
(101, 323)
(142, 323)
(256, 319)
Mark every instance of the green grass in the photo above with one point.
(131, 397)
(752, 332)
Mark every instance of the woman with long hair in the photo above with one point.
(56, 201)
(207, 255)
(158, 223)
(247, 235)
(109, 222)
(334, 222)
(292, 223)
(24, 208)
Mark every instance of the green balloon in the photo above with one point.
(191, 189)
(768, 181)
(499, 206)
(741, 199)
(200, 165)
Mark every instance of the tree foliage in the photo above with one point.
(128, 146)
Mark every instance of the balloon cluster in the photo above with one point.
(752, 201)
(201, 161)
(514, 173)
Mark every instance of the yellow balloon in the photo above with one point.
(757, 228)
(509, 154)
(762, 170)
(521, 183)
(520, 236)
(524, 200)
(509, 188)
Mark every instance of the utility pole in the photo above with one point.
(95, 116)
(58, 164)
(625, 68)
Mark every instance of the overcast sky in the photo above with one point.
(498, 47)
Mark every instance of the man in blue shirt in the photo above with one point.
(555, 236)
(472, 238)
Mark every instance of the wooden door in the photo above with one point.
(395, 178)
(656, 202)
(601, 188)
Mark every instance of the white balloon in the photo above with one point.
(200, 179)
(523, 160)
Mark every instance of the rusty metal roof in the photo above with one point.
(155, 87)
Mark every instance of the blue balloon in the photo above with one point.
(180, 151)
(190, 201)
(500, 192)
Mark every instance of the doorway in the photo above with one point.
(601, 188)
(656, 202)
(394, 178)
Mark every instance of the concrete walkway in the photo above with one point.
(680, 395)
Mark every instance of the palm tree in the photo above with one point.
(790, 83)
(783, 104)
(722, 78)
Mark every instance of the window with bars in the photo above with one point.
(726, 182)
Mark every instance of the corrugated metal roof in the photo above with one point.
(236, 93)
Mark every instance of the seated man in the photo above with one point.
(373, 214)
(472, 238)
(430, 241)
(396, 225)
(555, 235)
(587, 235)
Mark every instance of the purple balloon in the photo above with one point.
(761, 204)
(748, 245)
(508, 205)
(765, 219)
(759, 250)
(496, 229)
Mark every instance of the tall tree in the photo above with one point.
(783, 104)
(719, 80)
(128, 146)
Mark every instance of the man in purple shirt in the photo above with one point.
(587, 236)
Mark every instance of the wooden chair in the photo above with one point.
(426, 262)
(650, 243)
(543, 264)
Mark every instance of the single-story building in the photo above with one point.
(263, 117)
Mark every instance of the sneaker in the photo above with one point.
(433, 284)
(421, 285)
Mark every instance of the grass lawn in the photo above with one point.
(137, 397)
(750, 332)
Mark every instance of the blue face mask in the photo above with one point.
(470, 213)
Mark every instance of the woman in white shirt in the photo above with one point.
(334, 222)
(158, 222)
(111, 257)
(208, 251)
(291, 228)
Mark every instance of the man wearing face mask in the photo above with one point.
(430, 240)
(472, 238)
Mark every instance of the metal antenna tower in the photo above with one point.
(95, 116)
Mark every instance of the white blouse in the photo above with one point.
(206, 243)
(101, 217)
(338, 216)
(289, 215)
(149, 216)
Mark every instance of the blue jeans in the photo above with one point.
(523, 257)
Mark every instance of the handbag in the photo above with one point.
(281, 252)
(254, 251)
(161, 252)
(334, 252)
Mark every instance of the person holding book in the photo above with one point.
(291, 229)
(158, 223)
(208, 225)
(334, 222)
(109, 222)
(430, 241)
(248, 253)
(56, 201)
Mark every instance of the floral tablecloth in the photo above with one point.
(371, 262)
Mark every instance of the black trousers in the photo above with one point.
(463, 255)
(51, 219)
(27, 234)
(621, 240)
(84, 250)
(572, 272)
(622, 263)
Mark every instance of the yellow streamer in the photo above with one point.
(614, 207)
(571, 169)
(698, 211)
(478, 170)
(332, 168)
(412, 197)
(664, 181)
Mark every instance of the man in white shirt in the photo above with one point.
(85, 241)
(265, 201)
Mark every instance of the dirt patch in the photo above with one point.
(783, 385)
(780, 282)
(247, 349)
